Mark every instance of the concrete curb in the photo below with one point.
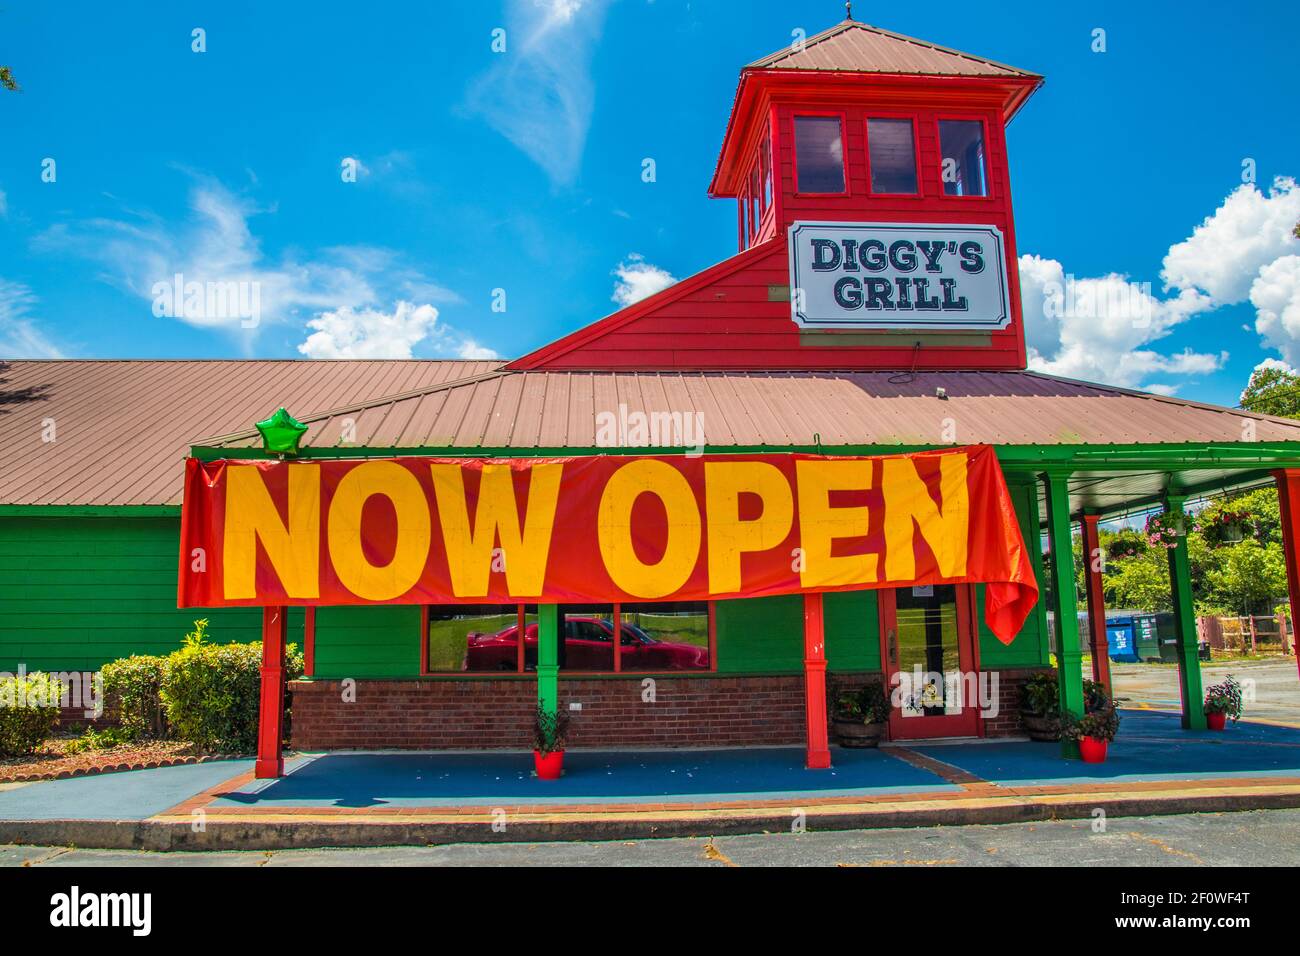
(169, 835)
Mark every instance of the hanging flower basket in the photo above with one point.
(1163, 530)
(1227, 527)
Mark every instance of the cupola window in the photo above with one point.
(819, 154)
(962, 145)
(891, 149)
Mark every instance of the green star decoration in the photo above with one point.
(281, 433)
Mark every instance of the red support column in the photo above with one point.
(814, 681)
(1092, 560)
(1288, 498)
(270, 720)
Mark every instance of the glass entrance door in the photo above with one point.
(929, 661)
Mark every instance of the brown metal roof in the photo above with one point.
(551, 410)
(853, 47)
(122, 429)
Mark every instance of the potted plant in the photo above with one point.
(550, 732)
(1164, 529)
(859, 716)
(1094, 731)
(1039, 707)
(1221, 702)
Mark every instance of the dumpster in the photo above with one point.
(1146, 638)
(1119, 641)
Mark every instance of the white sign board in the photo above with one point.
(887, 275)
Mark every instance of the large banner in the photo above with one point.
(600, 528)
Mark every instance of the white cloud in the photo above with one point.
(339, 293)
(1098, 328)
(638, 279)
(539, 92)
(369, 333)
(215, 246)
(19, 336)
(346, 333)
(4, 204)
(469, 350)
(1227, 250)
(1275, 294)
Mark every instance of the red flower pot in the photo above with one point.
(1093, 749)
(549, 766)
(1216, 721)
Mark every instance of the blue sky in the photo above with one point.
(521, 171)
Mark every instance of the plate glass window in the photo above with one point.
(474, 637)
(819, 152)
(586, 639)
(672, 636)
(962, 144)
(892, 155)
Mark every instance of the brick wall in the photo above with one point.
(1007, 722)
(436, 714)
(685, 712)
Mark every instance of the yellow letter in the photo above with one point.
(945, 531)
(729, 536)
(614, 528)
(469, 553)
(251, 516)
(411, 552)
(820, 524)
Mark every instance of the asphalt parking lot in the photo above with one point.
(1271, 688)
(1255, 838)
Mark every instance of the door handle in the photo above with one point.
(893, 646)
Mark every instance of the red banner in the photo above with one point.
(601, 528)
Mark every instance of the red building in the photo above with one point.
(872, 312)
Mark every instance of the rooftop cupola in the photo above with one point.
(875, 226)
(860, 123)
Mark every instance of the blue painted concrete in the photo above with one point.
(430, 780)
(130, 795)
(1151, 746)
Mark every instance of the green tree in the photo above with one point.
(7, 79)
(1251, 577)
(1273, 390)
(1140, 583)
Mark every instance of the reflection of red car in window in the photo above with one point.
(588, 646)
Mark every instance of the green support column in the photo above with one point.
(548, 657)
(1189, 658)
(1069, 659)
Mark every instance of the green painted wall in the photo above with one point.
(760, 635)
(765, 635)
(367, 642)
(1030, 648)
(852, 631)
(76, 592)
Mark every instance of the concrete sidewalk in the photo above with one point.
(372, 799)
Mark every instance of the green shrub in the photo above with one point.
(211, 692)
(29, 712)
(136, 684)
(105, 739)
